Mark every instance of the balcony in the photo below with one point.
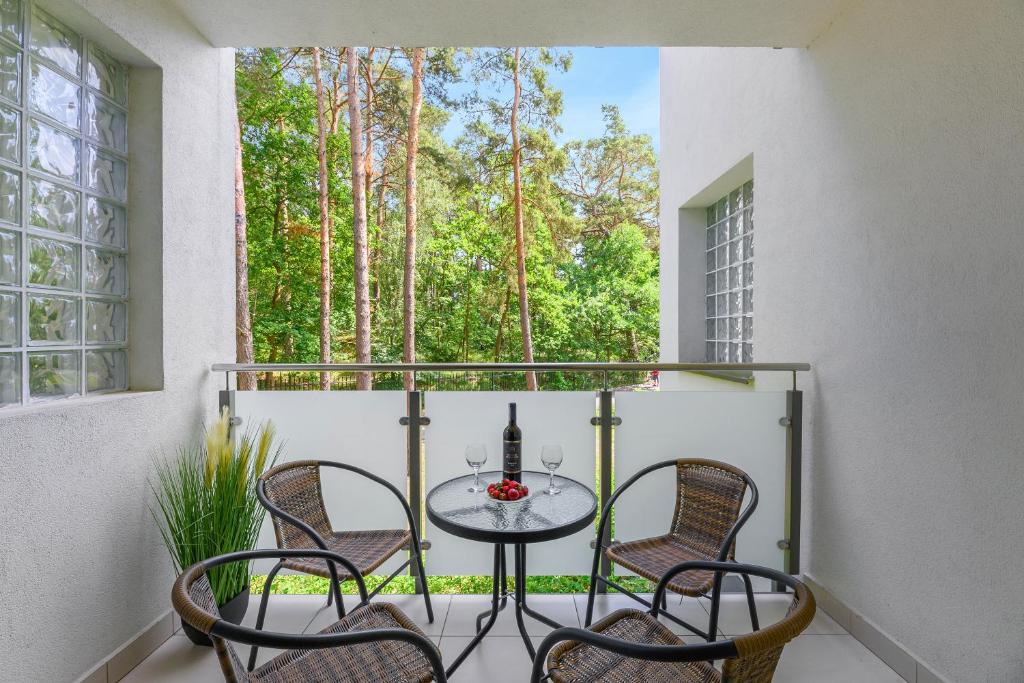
(886, 139)
(612, 421)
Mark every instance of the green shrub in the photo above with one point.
(298, 584)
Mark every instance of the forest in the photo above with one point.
(364, 234)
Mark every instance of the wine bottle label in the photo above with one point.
(512, 456)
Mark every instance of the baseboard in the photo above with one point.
(886, 648)
(116, 666)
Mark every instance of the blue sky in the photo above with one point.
(625, 76)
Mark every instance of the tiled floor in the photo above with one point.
(825, 652)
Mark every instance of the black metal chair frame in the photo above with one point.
(723, 555)
(256, 637)
(709, 651)
(334, 594)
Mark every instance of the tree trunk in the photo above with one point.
(368, 129)
(409, 279)
(502, 319)
(360, 255)
(325, 231)
(524, 305)
(634, 345)
(382, 191)
(243, 323)
(466, 311)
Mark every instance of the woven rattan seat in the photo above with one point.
(376, 662)
(571, 662)
(374, 643)
(630, 646)
(293, 495)
(367, 550)
(652, 557)
(709, 496)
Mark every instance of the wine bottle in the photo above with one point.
(512, 448)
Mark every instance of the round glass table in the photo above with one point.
(452, 507)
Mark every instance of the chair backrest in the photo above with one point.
(708, 499)
(295, 488)
(193, 600)
(759, 651)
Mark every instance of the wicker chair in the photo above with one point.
(372, 644)
(704, 527)
(292, 494)
(630, 645)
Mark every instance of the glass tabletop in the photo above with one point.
(539, 517)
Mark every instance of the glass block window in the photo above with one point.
(729, 280)
(63, 228)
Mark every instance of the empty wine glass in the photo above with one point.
(551, 456)
(476, 456)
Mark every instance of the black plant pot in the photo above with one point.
(233, 611)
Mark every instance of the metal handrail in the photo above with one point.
(510, 367)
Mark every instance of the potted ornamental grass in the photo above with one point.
(206, 505)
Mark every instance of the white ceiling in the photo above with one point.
(471, 23)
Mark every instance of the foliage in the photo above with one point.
(590, 213)
(297, 584)
(206, 501)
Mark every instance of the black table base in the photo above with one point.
(499, 600)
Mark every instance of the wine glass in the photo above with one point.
(551, 456)
(476, 456)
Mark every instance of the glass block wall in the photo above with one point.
(729, 283)
(63, 227)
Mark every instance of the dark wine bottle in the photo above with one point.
(512, 448)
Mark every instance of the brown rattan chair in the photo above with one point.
(630, 645)
(707, 518)
(372, 644)
(292, 494)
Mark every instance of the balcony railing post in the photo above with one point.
(794, 455)
(226, 399)
(606, 406)
(414, 422)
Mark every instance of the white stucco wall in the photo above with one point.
(888, 159)
(82, 568)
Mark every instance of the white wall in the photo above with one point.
(888, 161)
(81, 561)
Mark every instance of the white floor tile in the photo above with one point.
(177, 661)
(689, 610)
(464, 609)
(837, 659)
(502, 657)
(412, 605)
(498, 659)
(734, 616)
(285, 614)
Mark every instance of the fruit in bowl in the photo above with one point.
(507, 490)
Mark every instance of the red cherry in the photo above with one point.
(525, 490)
(513, 495)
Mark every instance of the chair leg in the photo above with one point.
(750, 603)
(593, 584)
(341, 604)
(422, 579)
(334, 589)
(263, 611)
(716, 600)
